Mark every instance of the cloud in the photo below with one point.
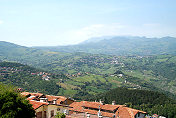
(1, 22)
(115, 29)
(96, 30)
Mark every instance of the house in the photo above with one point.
(126, 112)
(47, 106)
(98, 109)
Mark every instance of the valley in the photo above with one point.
(95, 73)
(87, 76)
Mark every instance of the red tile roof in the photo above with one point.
(77, 106)
(37, 104)
(126, 112)
(96, 105)
(51, 98)
(33, 94)
(110, 107)
(122, 111)
(61, 99)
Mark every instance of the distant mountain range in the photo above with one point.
(121, 45)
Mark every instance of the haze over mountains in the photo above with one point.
(121, 45)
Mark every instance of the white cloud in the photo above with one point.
(115, 29)
(1, 22)
(95, 30)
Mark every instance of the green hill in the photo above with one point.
(122, 46)
(149, 101)
(94, 73)
(29, 78)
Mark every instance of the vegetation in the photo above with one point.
(149, 101)
(122, 46)
(29, 78)
(81, 75)
(60, 115)
(13, 105)
(142, 72)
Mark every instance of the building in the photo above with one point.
(98, 109)
(47, 106)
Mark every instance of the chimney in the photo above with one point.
(101, 102)
(113, 102)
(43, 99)
(54, 101)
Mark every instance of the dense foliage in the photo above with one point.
(29, 78)
(13, 105)
(60, 115)
(152, 102)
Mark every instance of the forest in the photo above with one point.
(149, 101)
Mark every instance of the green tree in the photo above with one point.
(13, 105)
(60, 115)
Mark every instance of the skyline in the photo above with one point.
(43, 23)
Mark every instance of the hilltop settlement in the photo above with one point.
(47, 106)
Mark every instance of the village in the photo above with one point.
(47, 106)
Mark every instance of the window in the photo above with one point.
(52, 113)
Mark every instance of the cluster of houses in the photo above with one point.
(47, 106)
(7, 70)
(45, 76)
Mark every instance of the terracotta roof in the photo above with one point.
(126, 112)
(107, 114)
(80, 115)
(37, 104)
(61, 99)
(110, 107)
(122, 111)
(92, 104)
(96, 105)
(77, 106)
(36, 94)
(33, 94)
(51, 98)
(31, 98)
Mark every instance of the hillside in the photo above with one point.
(26, 55)
(95, 73)
(122, 46)
(149, 101)
(29, 78)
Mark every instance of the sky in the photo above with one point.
(65, 22)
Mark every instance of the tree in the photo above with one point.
(60, 115)
(13, 105)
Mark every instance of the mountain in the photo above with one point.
(121, 45)
(26, 55)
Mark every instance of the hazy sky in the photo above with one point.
(58, 22)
